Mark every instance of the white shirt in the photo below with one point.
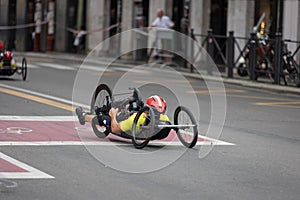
(78, 37)
(163, 22)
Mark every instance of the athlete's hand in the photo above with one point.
(113, 112)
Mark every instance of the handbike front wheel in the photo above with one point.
(143, 127)
(101, 97)
(188, 135)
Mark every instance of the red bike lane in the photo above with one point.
(16, 132)
(45, 131)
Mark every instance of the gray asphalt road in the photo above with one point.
(263, 163)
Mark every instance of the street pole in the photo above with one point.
(192, 50)
(119, 29)
(230, 50)
(278, 55)
(210, 49)
(252, 56)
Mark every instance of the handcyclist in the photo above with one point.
(116, 123)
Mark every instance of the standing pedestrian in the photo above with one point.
(162, 22)
(78, 43)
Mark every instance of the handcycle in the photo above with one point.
(9, 67)
(152, 128)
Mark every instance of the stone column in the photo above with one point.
(60, 40)
(127, 21)
(97, 17)
(21, 19)
(200, 16)
(240, 17)
(200, 22)
(240, 20)
(3, 19)
(291, 20)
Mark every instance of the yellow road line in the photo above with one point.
(219, 92)
(164, 81)
(256, 97)
(37, 99)
(277, 103)
(216, 91)
(287, 104)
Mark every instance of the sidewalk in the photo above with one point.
(128, 64)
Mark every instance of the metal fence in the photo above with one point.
(255, 58)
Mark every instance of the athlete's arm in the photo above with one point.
(115, 126)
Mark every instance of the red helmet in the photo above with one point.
(158, 103)
(7, 55)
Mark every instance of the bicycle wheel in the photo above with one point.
(100, 131)
(242, 70)
(295, 72)
(24, 69)
(101, 97)
(143, 127)
(187, 135)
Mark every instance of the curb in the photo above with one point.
(127, 64)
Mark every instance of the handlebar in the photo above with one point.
(135, 101)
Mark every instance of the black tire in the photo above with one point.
(181, 111)
(242, 71)
(101, 97)
(142, 137)
(296, 72)
(24, 69)
(97, 131)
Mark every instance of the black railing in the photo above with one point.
(252, 57)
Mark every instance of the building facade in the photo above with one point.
(57, 20)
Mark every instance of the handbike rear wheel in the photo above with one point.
(143, 127)
(187, 136)
(24, 69)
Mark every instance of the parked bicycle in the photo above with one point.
(290, 67)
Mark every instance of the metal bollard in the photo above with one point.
(230, 55)
(252, 56)
(210, 49)
(278, 56)
(192, 51)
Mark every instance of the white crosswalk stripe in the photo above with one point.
(32, 66)
(85, 66)
(95, 68)
(130, 70)
(56, 66)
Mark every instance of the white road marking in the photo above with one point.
(95, 68)
(32, 173)
(32, 66)
(131, 70)
(109, 143)
(38, 118)
(56, 66)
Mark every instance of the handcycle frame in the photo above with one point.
(9, 69)
(154, 129)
